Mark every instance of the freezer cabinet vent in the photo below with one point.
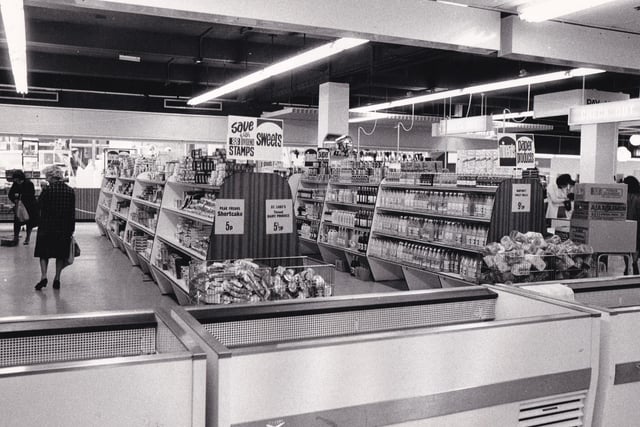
(566, 410)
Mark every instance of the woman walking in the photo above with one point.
(57, 224)
(23, 191)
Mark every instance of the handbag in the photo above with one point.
(21, 212)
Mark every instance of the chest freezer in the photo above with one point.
(468, 356)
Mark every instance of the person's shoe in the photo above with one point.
(26, 242)
(56, 284)
(41, 284)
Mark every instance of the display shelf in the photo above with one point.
(304, 218)
(304, 239)
(142, 227)
(110, 177)
(105, 207)
(126, 178)
(194, 185)
(340, 248)
(419, 268)
(107, 192)
(354, 184)
(469, 249)
(445, 188)
(122, 196)
(119, 215)
(190, 215)
(304, 199)
(313, 181)
(495, 219)
(173, 280)
(146, 203)
(350, 227)
(435, 214)
(151, 181)
(179, 247)
(355, 205)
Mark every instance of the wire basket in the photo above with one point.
(515, 267)
(259, 279)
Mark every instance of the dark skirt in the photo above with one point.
(52, 244)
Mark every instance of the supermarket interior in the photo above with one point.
(295, 213)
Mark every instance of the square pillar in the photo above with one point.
(598, 153)
(333, 110)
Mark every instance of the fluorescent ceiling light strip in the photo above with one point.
(370, 116)
(484, 88)
(14, 29)
(508, 116)
(297, 61)
(549, 9)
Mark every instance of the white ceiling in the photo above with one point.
(618, 15)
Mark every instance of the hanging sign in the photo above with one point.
(521, 198)
(279, 216)
(507, 150)
(516, 150)
(229, 216)
(251, 138)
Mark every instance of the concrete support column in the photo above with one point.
(598, 152)
(333, 110)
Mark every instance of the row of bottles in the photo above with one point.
(309, 231)
(361, 218)
(346, 238)
(426, 257)
(433, 230)
(359, 195)
(443, 202)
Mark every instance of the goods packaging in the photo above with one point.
(529, 257)
(603, 193)
(252, 281)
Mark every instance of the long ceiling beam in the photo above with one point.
(422, 23)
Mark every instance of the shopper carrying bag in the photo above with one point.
(74, 252)
(57, 224)
(23, 194)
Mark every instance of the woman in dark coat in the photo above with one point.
(57, 223)
(23, 190)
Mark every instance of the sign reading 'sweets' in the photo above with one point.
(250, 138)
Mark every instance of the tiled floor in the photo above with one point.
(102, 278)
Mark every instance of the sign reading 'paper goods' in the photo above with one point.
(250, 138)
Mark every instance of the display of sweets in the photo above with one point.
(427, 257)
(452, 203)
(174, 264)
(243, 281)
(145, 217)
(198, 202)
(193, 234)
(433, 230)
(529, 257)
(124, 188)
(151, 193)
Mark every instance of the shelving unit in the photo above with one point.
(104, 203)
(309, 211)
(181, 235)
(335, 236)
(140, 230)
(432, 236)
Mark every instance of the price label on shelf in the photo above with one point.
(521, 198)
(279, 216)
(229, 216)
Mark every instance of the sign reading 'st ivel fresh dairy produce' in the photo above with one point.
(251, 138)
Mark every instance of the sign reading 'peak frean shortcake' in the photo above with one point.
(251, 138)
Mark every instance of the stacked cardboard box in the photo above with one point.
(599, 218)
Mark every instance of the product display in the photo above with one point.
(245, 281)
(440, 202)
(351, 172)
(528, 257)
(310, 195)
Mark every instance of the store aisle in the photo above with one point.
(101, 279)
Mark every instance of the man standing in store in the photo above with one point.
(57, 224)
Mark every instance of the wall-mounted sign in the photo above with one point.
(279, 216)
(251, 138)
(229, 216)
(521, 198)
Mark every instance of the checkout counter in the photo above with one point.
(135, 368)
(618, 301)
(468, 356)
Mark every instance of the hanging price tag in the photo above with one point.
(229, 216)
(279, 216)
(521, 198)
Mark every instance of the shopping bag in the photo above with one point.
(21, 212)
(74, 251)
